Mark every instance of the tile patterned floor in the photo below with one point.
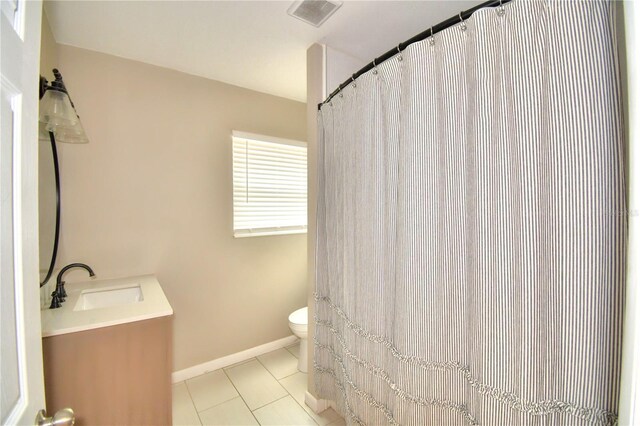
(267, 390)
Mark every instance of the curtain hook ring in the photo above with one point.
(432, 41)
(375, 67)
(353, 80)
(501, 9)
(463, 24)
(399, 51)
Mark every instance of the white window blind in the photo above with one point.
(269, 185)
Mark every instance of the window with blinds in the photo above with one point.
(269, 185)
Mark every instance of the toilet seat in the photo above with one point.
(299, 317)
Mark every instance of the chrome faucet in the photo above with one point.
(59, 294)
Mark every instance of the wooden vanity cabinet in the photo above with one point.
(117, 375)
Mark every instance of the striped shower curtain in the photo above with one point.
(471, 226)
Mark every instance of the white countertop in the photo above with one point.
(67, 320)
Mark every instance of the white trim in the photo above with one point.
(317, 405)
(225, 361)
(265, 138)
(243, 233)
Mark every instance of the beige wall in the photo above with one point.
(48, 49)
(46, 205)
(152, 193)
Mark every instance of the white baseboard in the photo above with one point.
(317, 405)
(225, 361)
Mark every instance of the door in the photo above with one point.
(22, 384)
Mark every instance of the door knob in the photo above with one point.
(64, 417)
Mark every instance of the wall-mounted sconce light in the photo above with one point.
(58, 113)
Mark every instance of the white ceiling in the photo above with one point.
(252, 44)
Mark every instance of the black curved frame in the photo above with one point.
(462, 16)
(56, 173)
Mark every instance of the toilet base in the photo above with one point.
(302, 359)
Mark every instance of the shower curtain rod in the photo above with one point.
(463, 16)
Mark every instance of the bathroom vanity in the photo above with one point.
(107, 352)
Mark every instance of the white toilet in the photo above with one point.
(298, 324)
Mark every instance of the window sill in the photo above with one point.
(267, 232)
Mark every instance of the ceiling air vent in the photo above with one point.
(313, 12)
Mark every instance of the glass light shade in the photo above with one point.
(56, 110)
(71, 134)
(43, 133)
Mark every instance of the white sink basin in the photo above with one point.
(104, 303)
(106, 297)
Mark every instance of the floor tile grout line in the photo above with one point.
(268, 371)
(265, 367)
(297, 402)
(237, 390)
(193, 403)
(275, 400)
(272, 375)
(199, 418)
(238, 364)
(292, 374)
(224, 371)
(290, 394)
(214, 405)
(219, 403)
(294, 398)
(303, 409)
(288, 350)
